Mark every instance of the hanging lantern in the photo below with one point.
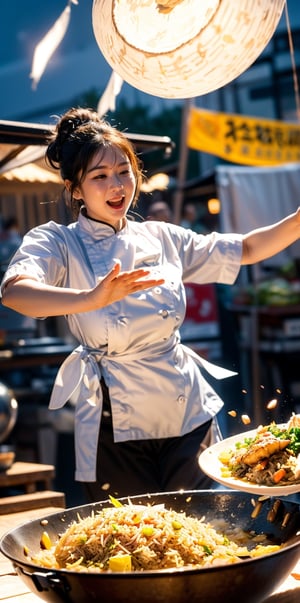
(183, 48)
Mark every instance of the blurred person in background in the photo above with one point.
(159, 210)
(190, 219)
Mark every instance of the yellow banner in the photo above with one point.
(243, 139)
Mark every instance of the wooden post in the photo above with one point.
(183, 158)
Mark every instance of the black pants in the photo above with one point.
(145, 466)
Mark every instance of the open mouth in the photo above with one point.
(116, 203)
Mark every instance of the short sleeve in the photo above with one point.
(41, 255)
(204, 258)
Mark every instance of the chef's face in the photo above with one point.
(108, 187)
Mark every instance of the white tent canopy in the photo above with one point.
(30, 173)
(28, 155)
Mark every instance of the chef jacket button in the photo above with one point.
(164, 313)
(181, 399)
(157, 290)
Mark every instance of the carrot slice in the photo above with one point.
(279, 475)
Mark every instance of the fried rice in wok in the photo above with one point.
(141, 538)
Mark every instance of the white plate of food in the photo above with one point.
(263, 461)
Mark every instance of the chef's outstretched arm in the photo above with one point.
(32, 298)
(263, 243)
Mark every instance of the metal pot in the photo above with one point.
(8, 411)
(250, 580)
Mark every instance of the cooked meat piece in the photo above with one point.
(262, 449)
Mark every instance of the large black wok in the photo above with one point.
(250, 580)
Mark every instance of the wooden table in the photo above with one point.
(26, 356)
(35, 480)
(12, 587)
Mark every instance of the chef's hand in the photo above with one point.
(116, 285)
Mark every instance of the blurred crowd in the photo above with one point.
(160, 210)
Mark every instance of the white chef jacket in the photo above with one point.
(155, 384)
